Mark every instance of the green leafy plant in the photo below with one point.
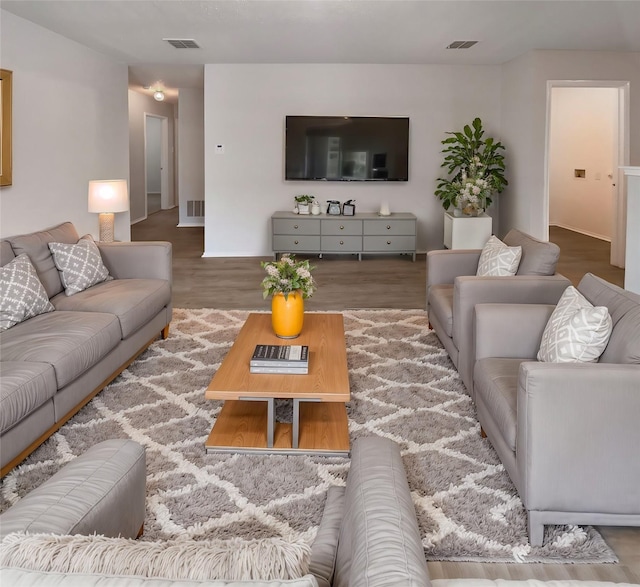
(287, 275)
(304, 199)
(475, 166)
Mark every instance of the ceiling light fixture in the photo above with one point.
(158, 95)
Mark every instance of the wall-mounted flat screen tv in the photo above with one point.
(347, 148)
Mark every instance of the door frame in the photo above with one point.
(619, 212)
(164, 162)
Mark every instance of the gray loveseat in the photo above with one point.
(453, 289)
(568, 434)
(54, 363)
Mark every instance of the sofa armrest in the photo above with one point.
(444, 266)
(578, 437)
(379, 541)
(510, 330)
(138, 260)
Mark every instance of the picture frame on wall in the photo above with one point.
(5, 127)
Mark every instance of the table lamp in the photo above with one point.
(107, 196)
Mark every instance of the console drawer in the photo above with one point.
(389, 243)
(287, 243)
(296, 226)
(340, 227)
(388, 226)
(348, 244)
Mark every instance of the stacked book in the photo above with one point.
(287, 359)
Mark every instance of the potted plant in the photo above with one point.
(289, 283)
(303, 202)
(476, 170)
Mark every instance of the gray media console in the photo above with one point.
(366, 233)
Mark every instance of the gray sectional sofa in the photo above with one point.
(567, 433)
(54, 363)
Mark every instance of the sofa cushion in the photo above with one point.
(325, 546)
(6, 252)
(264, 559)
(71, 342)
(133, 301)
(497, 259)
(36, 245)
(576, 331)
(496, 382)
(23, 296)
(80, 265)
(25, 387)
(538, 257)
(441, 305)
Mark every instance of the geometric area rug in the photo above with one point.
(403, 387)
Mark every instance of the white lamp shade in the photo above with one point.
(108, 195)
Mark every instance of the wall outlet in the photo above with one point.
(219, 150)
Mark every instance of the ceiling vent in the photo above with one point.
(461, 44)
(182, 43)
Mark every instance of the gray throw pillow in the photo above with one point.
(22, 294)
(80, 265)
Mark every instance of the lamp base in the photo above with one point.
(106, 226)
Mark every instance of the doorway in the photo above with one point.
(156, 151)
(587, 142)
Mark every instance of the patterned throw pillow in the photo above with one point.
(22, 294)
(497, 259)
(80, 265)
(577, 332)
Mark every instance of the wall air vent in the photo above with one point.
(461, 44)
(195, 208)
(182, 43)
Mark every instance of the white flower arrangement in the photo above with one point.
(287, 275)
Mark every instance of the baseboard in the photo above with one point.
(190, 225)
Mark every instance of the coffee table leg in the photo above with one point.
(295, 432)
(271, 416)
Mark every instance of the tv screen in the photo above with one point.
(347, 148)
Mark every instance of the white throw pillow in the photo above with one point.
(22, 295)
(234, 559)
(80, 265)
(577, 331)
(497, 259)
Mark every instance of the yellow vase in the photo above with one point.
(287, 315)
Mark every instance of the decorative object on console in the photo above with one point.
(476, 167)
(384, 209)
(289, 283)
(315, 208)
(107, 196)
(303, 203)
(333, 207)
(349, 208)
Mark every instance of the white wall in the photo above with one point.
(139, 104)
(583, 131)
(69, 126)
(524, 96)
(154, 154)
(245, 107)
(190, 151)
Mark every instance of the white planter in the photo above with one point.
(303, 208)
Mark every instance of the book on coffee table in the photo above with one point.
(285, 356)
(279, 370)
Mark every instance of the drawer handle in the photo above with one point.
(388, 242)
(295, 226)
(295, 242)
(342, 242)
(342, 228)
(388, 227)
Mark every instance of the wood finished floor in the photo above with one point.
(384, 282)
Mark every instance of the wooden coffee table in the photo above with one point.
(247, 423)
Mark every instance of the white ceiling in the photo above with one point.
(328, 31)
